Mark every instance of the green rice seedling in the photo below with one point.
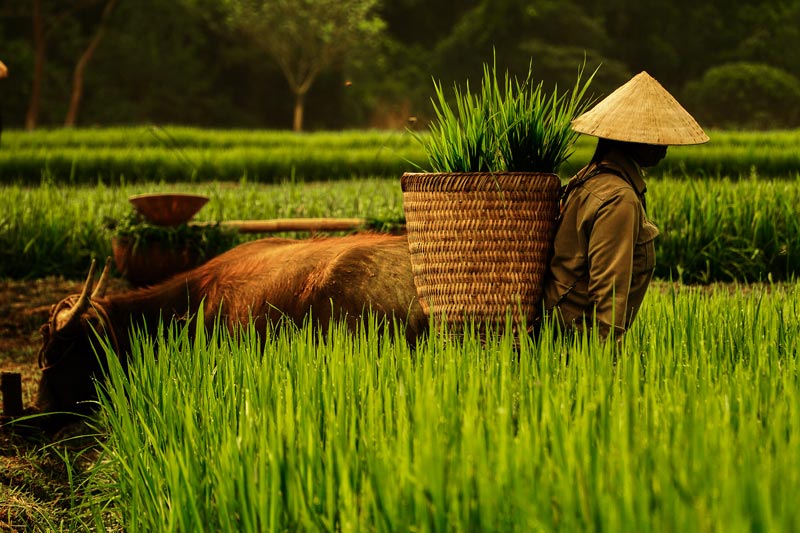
(120, 155)
(721, 230)
(181, 137)
(535, 133)
(462, 140)
(50, 229)
(204, 241)
(514, 128)
(690, 424)
(186, 154)
(711, 230)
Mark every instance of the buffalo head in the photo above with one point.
(70, 356)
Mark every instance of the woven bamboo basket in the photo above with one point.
(480, 243)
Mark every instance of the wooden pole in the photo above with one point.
(276, 225)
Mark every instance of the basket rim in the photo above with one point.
(482, 173)
(478, 181)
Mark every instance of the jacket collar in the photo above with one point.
(625, 165)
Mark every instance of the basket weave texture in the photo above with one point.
(480, 243)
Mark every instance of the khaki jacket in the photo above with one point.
(604, 255)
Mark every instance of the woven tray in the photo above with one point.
(480, 243)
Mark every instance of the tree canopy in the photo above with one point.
(304, 37)
(370, 63)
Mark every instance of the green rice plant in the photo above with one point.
(142, 154)
(51, 229)
(534, 129)
(690, 424)
(204, 241)
(119, 165)
(182, 137)
(711, 230)
(514, 128)
(90, 156)
(462, 140)
(721, 230)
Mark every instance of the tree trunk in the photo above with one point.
(299, 98)
(32, 116)
(80, 66)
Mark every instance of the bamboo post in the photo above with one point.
(291, 224)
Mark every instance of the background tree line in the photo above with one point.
(369, 63)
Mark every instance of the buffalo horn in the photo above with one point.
(81, 305)
(102, 285)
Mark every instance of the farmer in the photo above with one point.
(604, 254)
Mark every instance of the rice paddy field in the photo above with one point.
(688, 423)
(711, 229)
(145, 154)
(691, 424)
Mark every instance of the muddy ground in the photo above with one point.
(34, 477)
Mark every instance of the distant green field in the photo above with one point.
(711, 230)
(727, 209)
(141, 154)
(121, 155)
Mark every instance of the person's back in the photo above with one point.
(603, 255)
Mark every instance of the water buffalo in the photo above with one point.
(269, 280)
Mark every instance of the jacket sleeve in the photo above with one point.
(610, 256)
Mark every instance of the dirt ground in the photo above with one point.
(34, 477)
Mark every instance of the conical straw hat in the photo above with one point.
(641, 111)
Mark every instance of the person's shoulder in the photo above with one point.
(607, 185)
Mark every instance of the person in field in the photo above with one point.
(604, 255)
